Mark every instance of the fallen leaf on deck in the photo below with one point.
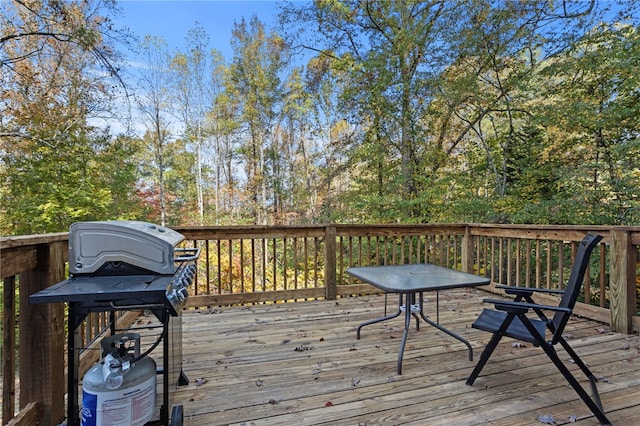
(273, 402)
(547, 419)
(328, 404)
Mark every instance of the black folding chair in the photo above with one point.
(509, 319)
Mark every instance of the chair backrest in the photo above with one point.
(576, 278)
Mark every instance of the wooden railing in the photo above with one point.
(254, 264)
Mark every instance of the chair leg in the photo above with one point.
(595, 408)
(491, 346)
(576, 358)
(592, 378)
(486, 354)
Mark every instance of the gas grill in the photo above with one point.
(123, 266)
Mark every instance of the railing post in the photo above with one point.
(42, 337)
(330, 265)
(467, 251)
(9, 350)
(622, 285)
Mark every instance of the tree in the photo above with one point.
(590, 113)
(324, 113)
(194, 94)
(153, 103)
(428, 84)
(32, 28)
(51, 155)
(224, 125)
(119, 170)
(295, 156)
(531, 174)
(387, 50)
(254, 78)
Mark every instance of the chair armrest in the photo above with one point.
(522, 307)
(528, 291)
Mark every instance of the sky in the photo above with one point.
(173, 19)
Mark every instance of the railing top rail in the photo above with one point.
(30, 240)
(540, 233)
(249, 231)
(552, 232)
(267, 231)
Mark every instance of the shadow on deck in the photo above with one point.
(300, 363)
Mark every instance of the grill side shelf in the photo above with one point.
(144, 289)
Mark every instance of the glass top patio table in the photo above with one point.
(411, 280)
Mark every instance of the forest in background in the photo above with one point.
(403, 112)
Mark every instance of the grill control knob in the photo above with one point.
(172, 297)
(183, 294)
(177, 296)
(191, 271)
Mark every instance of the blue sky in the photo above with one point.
(173, 19)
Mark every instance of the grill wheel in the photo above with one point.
(177, 415)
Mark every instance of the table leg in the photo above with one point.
(385, 318)
(409, 311)
(441, 328)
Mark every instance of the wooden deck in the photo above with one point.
(300, 364)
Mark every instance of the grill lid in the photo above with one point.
(96, 245)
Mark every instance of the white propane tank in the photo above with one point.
(120, 390)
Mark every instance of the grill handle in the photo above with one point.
(131, 307)
(186, 254)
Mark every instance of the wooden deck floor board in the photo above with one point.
(300, 363)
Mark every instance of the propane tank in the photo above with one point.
(120, 390)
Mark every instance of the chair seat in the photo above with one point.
(490, 320)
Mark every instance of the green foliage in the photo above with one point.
(411, 111)
(50, 186)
